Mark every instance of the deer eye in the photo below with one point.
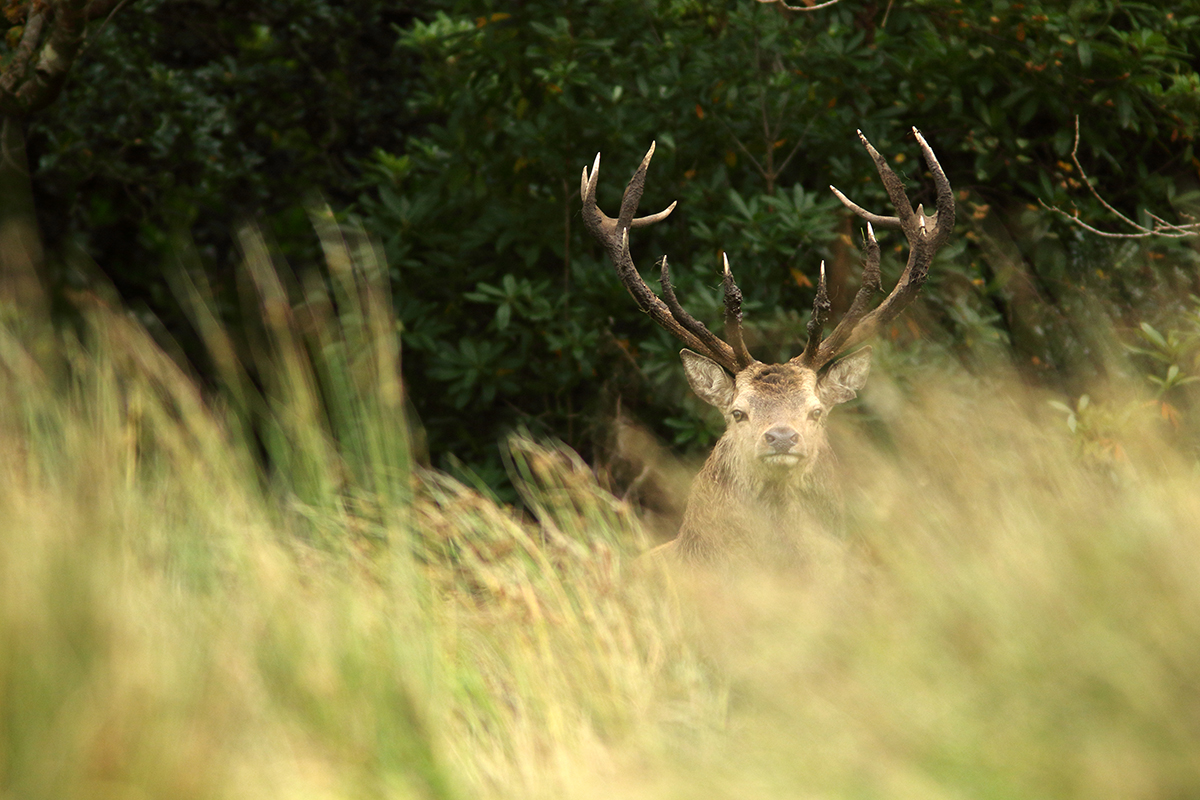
(739, 415)
(816, 414)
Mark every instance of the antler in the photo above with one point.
(614, 235)
(925, 236)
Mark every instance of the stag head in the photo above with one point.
(775, 413)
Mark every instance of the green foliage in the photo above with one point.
(754, 111)
(1169, 363)
(197, 117)
(1177, 352)
(454, 132)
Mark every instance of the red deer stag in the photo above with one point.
(768, 484)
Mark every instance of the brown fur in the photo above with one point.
(742, 506)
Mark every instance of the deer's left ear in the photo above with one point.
(842, 381)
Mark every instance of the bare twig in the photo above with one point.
(96, 9)
(795, 149)
(772, 133)
(817, 7)
(742, 147)
(1161, 228)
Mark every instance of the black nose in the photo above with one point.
(781, 438)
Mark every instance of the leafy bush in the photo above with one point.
(454, 133)
(754, 110)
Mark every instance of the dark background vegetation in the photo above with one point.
(455, 133)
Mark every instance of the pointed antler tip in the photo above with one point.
(725, 258)
(870, 232)
(587, 181)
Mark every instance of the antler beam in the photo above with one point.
(925, 235)
(614, 235)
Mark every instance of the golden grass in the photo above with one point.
(1005, 620)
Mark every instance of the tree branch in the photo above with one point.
(102, 8)
(1161, 228)
(816, 7)
(30, 38)
(54, 34)
(96, 9)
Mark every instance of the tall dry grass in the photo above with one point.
(1005, 619)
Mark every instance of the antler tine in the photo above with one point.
(875, 219)
(711, 343)
(836, 343)
(945, 196)
(614, 235)
(733, 318)
(816, 322)
(633, 195)
(893, 185)
(924, 234)
(587, 185)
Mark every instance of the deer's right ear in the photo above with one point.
(708, 379)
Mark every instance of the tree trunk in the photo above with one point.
(20, 241)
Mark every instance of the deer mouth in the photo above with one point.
(782, 460)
